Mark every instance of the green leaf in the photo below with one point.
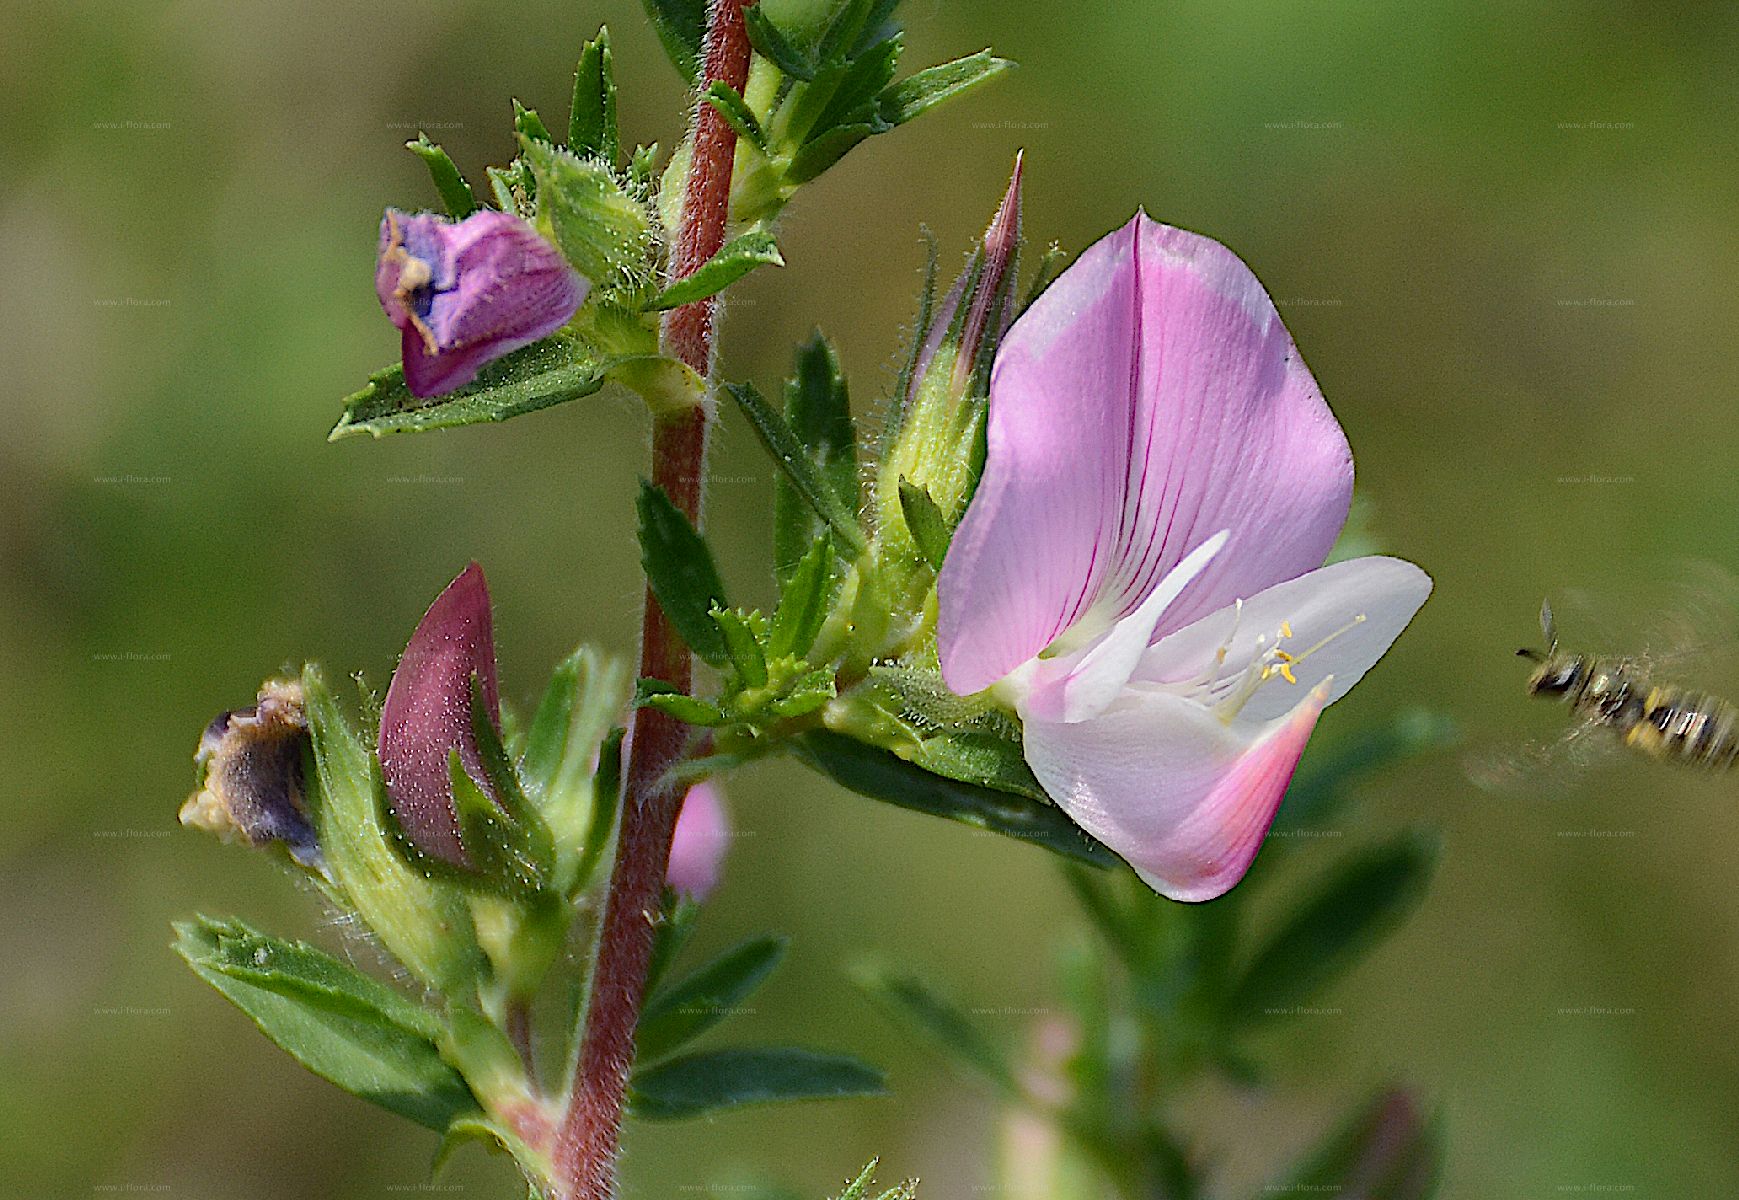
(544, 374)
(1384, 1150)
(826, 149)
(735, 259)
(695, 1084)
(881, 775)
(773, 44)
(337, 1022)
(592, 119)
(456, 194)
(818, 410)
(1359, 902)
(853, 101)
(422, 922)
(909, 1001)
(743, 646)
(918, 94)
(677, 914)
(925, 522)
(679, 569)
(528, 124)
(782, 442)
(601, 229)
(681, 26)
(691, 1006)
(737, 113)
(803, 603)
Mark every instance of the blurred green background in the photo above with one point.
(1502, 233)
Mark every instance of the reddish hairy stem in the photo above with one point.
(585, 1152)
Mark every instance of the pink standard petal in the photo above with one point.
(1148, 398)
(427, 714)
(1183, 797)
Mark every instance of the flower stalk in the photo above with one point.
(587, 1141)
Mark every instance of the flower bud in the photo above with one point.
(697, 848)
(934, 441)
(465, 293)
(251, 784)
(427, 716)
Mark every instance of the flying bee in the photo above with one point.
(1661, 721)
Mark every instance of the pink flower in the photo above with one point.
(1139, 573)
(465, 293)
(427, 715)
(697, 848)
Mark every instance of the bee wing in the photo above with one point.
(1546, 767)
(1692, 634)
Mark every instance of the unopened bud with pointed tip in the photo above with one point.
(427, 716)
(934, 436)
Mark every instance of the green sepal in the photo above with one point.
(743, 632)
(1362, 899)
(694, 1004)
(882, 775)
(680, 571)
(601, 229)
(422, 922)
(562, 743)
(340, 1024)
(681, 26)
(496, 1135)
(735, 259)
(592, 129)
(525, 835)
(697, 1084)
(456, 195)
(1383, 1150)
(504, 854)
(803, 602)
(858, 1188)
(784, 443)
(919, 93)
(925, 522)
(528, 124)
(1049, 266)
(913, 1004)
(737, 113)
(667, 699)
(554, 371)
(482, 1054)
(642, 166)
(805, 694)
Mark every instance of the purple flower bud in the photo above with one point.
(427, 715)
(466, 293)
(697, 848)
(251, 774)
